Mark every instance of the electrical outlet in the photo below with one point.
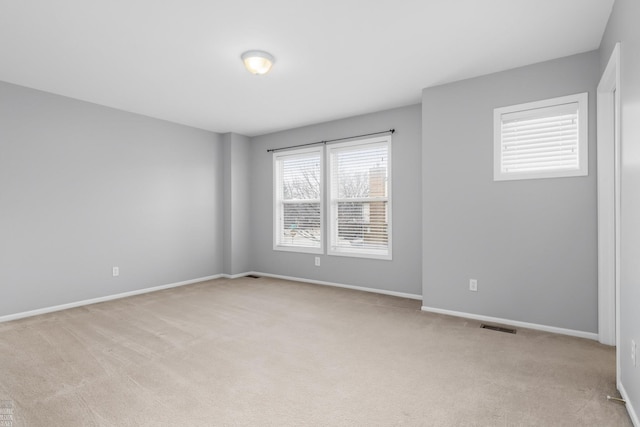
(473, 285)
(634, 354)
(116, 271)
(317, 261)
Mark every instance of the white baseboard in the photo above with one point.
(339, 285)
(630, 409)
(45, 310)
(555, 330)
(234, 276)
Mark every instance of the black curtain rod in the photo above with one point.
(271, 150)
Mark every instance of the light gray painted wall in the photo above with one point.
(531, 244)
(237, 204)
(402, 274)
(84, 188)
(623, 27)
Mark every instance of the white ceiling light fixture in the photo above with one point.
(258, 61)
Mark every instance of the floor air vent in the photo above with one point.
(253, 276)
(498, 328)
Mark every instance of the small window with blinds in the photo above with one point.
(544, 139)
(360, 198)
(298, 219)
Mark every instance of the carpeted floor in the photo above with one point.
(266, 352)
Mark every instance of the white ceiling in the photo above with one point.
(180, 60)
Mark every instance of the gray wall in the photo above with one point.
(531, 244)
(84, 188)
(623, 27)
(237, 204)
(402, 274)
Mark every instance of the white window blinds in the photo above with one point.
(360, 186)
(298, 200)
(542, 139)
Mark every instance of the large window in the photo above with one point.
(298, 200)
(544, 139)
(360, 198)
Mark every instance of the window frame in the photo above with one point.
(332, 234)
(278, 200)
(583, 138)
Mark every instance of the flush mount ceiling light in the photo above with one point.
(258, 61)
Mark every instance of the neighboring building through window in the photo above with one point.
(298, 219)
(543, 139)
(360, 198)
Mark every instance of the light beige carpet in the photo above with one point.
(265, 352)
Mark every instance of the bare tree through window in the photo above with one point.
(300, 208)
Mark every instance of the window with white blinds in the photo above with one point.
(298, 219)
(360, 198)
(544, 139)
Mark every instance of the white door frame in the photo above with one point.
(609, 202)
